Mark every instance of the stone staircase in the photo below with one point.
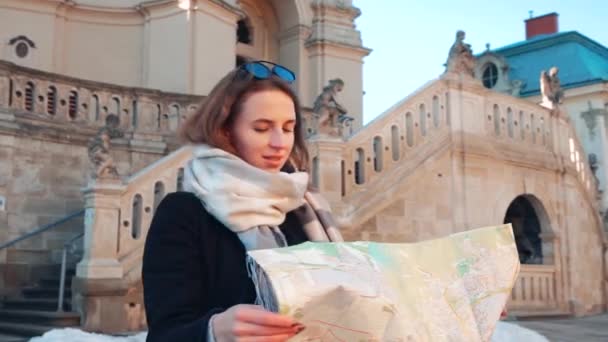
(33, 311)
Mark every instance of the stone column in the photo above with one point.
(101, 224)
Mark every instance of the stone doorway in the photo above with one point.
(530, 227)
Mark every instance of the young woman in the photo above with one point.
(244, 191)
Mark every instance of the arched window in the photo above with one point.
(134, 114)
(315, 171)
(422, 120)
(510, 122)
(95, 107)
(257, 32)
(180, 179)
(496, 119)
(159, 193)
(395, 142)
(490, 75)
(436, 113)
(244, 31)
(51, 101)
(29, 96)
(73, 104)
(378, 152)
(409, 129)
(136, 216)
(360, 167)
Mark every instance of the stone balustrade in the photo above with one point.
(60, 98)
(383, 145)
(536, 288)
(409, 129)
(134, 202)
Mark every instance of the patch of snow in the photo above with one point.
(511, 332)
(77, 335)
(504, 332)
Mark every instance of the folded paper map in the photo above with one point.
(448, 289)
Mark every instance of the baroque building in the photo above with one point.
(91, 83)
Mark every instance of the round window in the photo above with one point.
(490, 75)
(21, 49)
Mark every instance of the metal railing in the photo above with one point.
(64, 255)
(42, 229)
(69, 245)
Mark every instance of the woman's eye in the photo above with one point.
(260, 129)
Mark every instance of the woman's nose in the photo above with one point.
(278, 139)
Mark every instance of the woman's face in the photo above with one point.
(263, 132)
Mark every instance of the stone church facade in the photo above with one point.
(445, 159)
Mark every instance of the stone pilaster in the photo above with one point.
(101, 223)
(329, 169)
(335, 50)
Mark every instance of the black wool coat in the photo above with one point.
(194, 267)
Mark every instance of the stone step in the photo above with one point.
(57, 319)
(45, 292)
(53, 280)
(42, 304)
(24, 329)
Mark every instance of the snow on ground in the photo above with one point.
(505, 332)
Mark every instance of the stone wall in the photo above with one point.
(46, 123)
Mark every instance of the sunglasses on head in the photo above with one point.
(262, 70)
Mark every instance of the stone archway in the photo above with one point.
(540, 284)
(532, 230)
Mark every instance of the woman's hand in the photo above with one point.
(252, 323)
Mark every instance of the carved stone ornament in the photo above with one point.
(460, 58)
(590, 118)
(330, 117)
(99, 149)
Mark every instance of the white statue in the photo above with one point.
(550, 87)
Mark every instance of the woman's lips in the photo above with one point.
(274, 161)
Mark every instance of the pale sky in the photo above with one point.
(410, 39)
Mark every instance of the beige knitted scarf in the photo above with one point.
(252, 202)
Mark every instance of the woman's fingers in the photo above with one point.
(250, 329)
(276, 338)
(257, 315)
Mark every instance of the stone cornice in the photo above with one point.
(339, 47)
(220, 10)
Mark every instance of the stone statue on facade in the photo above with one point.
(550, 87)
(99, 149)
(460, 58)
(330, 116)
(594, 165)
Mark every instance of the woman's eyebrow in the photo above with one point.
(272, 121)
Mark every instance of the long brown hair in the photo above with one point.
(218, 110)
